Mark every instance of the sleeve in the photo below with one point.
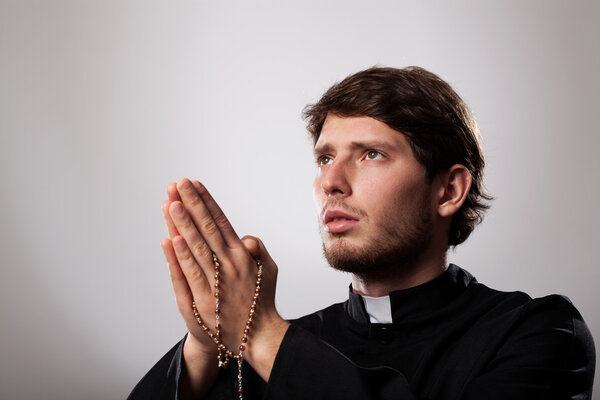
(549, 355)
(307, 368)
(161, 381)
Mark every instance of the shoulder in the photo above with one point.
(545, 342)
(519, 307)
(553, 315)
(554, 311)
(554, 320)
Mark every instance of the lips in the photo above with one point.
(338, 222)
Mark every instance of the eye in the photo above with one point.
(323, 160)
(373, 155)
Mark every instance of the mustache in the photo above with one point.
(338, 204)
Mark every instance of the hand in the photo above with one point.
(198, 228)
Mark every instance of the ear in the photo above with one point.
(456, 183)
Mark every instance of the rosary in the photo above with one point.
(223, 353)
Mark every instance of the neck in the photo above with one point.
(424, 270)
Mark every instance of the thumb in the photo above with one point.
(252, 245)
(256, 248)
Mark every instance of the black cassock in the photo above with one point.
(452, 338)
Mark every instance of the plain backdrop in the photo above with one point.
(102, 103)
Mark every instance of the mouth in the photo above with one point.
(338, 222)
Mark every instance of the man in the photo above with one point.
(399, 182)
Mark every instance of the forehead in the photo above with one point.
(339, 132)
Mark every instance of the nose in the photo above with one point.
(334, 179)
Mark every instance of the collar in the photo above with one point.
(418, 300)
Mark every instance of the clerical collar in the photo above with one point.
(412, 302)
(379, 309)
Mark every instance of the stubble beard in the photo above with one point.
(395, 250)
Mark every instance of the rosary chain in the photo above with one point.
(223, 353)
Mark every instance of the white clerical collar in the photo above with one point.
(379, 309)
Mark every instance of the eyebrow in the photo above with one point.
(364, 145)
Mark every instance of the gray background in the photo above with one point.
(103, 103)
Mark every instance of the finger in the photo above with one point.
(194, 274)
(170, 225)
(192, 240)
(201, 216)
(269, 267)
(173, 195)
(231, 238)
(183, 294)
(252, 245)
(172, 192)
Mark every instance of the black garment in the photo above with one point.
(452, 338)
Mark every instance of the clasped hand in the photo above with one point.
(198, 228)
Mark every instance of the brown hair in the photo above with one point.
(419, 104)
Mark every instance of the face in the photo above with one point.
(372, 195)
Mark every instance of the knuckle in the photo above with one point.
(195, 275)
(202, 250)
(193, 201)
(184, 257)
(185, 225)
(208, 226)
(222, 220)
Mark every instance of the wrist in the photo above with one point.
(264, 344)
(197, 351)
(199, 368)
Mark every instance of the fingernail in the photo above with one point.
(177, 208)
(185, 185)
(179, 244)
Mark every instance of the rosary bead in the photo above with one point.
(224, 354)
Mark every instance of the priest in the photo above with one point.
(399, 182)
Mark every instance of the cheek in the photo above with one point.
(393, 201)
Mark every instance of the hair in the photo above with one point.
(439, 126)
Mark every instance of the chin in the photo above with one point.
(377, 257)
(342, 255)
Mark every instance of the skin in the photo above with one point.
(363, 165)
(366, 166)
(197, 227)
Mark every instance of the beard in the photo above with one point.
(395, 249)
